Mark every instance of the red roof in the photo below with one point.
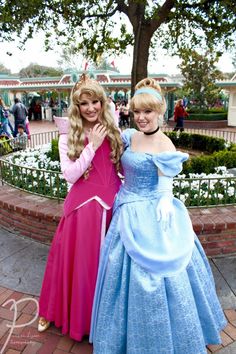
(9, 82)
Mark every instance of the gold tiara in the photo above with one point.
(84, 79)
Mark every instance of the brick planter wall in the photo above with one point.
(37, 218)
(29, 215)
(216, 229)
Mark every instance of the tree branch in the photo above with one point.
(163, 14)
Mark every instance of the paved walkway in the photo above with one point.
(22, 263)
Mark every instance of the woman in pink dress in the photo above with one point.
(90, 148)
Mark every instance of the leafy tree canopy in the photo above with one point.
(102, 26)
(200, 73)
(35, 70)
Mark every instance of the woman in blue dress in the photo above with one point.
(155, 292)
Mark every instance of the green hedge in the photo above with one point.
(197, 142)
(219, 153)
(207, 116)
(207, 164)
(54, 152)
(197, 109)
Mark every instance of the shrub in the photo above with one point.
(54, 152)
(207, 116)
(207, 164)
(197, 109)
(197, 142)
(221, 153)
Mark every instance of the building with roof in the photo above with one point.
(230, 87)
(116, 84)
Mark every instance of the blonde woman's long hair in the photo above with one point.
(147, 100)
(76, 135)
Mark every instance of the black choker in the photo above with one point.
(150, 133)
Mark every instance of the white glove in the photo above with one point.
(165, 209)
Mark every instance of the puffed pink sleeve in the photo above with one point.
(73, 170)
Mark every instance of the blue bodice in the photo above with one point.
(141, 170)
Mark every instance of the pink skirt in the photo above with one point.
(71, 271)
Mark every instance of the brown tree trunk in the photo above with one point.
(140, 55)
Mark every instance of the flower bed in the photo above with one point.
(34, 171)
(203, 189)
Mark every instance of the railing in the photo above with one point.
(194, 192)
(11, 145)
(227, 135)
(40, 139)
(202, 192)
(47, 183)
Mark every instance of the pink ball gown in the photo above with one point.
(71, 271)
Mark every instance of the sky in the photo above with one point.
(35, 53)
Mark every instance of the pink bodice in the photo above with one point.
(102, 182)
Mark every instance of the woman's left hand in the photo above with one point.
(165, 211)
(97, 135)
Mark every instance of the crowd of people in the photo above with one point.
(22, 116)
(14, 137)
(125, 266)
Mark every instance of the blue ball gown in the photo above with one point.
(155, 292)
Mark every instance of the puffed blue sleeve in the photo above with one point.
(170, 163)
(126, 136)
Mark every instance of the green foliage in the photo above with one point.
(232, 147)
(46, 183)
(215, 110)
(200, 74)
(212, 110)
(220, 153)
(5, 146)
(99, 27)
(198, 142)
(206, 191)
(207, 164)
(54, 152)
(208, 117)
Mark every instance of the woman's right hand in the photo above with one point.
(97, 135)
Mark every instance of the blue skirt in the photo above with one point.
(137, 312)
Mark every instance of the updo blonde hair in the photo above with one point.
(76, 135)
(147, 100)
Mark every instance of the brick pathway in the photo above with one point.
(27, 340)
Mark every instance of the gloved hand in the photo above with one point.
(165, 209)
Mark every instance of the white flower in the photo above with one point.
(231, 191)
(182, 197)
